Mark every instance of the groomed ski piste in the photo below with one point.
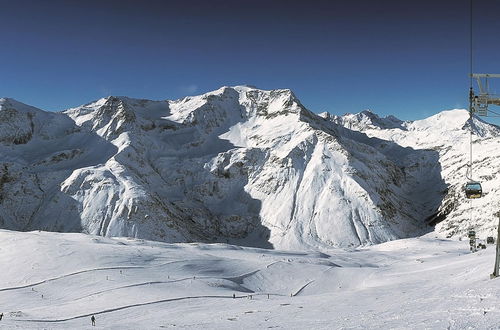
(58, 280)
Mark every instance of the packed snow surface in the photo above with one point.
(57, 281)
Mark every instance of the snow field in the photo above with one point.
(418, 283)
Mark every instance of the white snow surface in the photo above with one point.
(239, 165)
(58, 280)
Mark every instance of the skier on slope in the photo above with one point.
(92, 318)
(1, 317)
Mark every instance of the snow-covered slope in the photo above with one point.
(238, 165)
(38, 151)
(448, 133)
(57, 281)
(364, 120)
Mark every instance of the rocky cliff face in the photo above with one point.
(238, 165)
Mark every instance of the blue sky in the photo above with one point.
(405, 58)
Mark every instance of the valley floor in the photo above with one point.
(57, 281)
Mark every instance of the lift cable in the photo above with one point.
(470, 52)
(471, 95)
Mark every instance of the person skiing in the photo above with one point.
(1, 317)
(92, 318)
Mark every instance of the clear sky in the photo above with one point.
(406, 58)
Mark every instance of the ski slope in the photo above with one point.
(57, 281)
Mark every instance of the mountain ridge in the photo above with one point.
(239, 165)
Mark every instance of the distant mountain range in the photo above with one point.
(244, 166)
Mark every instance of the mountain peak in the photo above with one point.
(10, 103)
(367, 119)
(455, 120)
(368, 112)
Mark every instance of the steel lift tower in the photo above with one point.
(479, 105)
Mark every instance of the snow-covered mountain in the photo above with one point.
(448, 133)
(364, 120)
(239, 165)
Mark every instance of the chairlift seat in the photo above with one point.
(473, 189)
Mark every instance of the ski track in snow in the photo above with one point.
(131, 306)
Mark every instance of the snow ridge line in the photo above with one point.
(135, 285)
(232, 278)
(86, 271)
(302, 288)
(67, 275)
(236, 279)
(156, 282)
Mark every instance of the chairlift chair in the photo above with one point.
(473, 189)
